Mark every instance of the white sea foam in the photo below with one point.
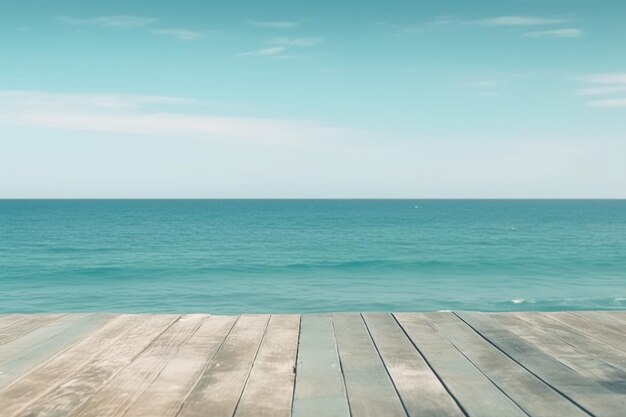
(518, 301)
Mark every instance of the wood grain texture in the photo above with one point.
(585, 345)
(78, 387)
(319, 389)
(114, 398)
(17, 325)
(565, 353)
(531, 394)
(30, 387)
(472, 389)
(370, 390)
(47, 345)
(587, 392)
(421, 392)
(165, 396)
(269, 390)
(407, 364)
(39, 331)
(219, 389)
(611, 335)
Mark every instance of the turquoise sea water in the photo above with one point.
(232, 256)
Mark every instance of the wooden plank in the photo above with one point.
(7, 320)
(617, 315)
(269, 391)
(531, 394)
(604, 318)
(578, 360)
(586, 392)
(114, 398)
(24, 324)
(165, 396)
(76, 388)
(70, 330)
(602, 332)
(420, 390)
(583, 343)
(476, 394)
(219, 389)
(370, 390)
(319, 389)
(35, 384)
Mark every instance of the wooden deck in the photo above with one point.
(380, 365)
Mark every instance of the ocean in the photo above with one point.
(279, 256)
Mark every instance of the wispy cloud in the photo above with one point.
(274, 24)
(287, 42)
(600, 91)
(608, 85)
(605, 78)
(555, 33)
(121, 21)
(611, 102)
(279, 46)
(181, 34)
(485, 87)
(273, 51)
(136, 114)
(519, 21)
(404, 29)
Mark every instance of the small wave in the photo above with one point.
(518, 300)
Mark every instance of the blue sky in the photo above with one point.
(416, 99)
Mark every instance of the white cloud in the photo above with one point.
(123, 21)
(181, 34)
(273, 51)
(604, 84)
(274, 24)
(519, 21)
(308, 41)
(600, 91)
(133, 114)
(605, 78)
(281, 45)
(612, 102)
(556, 33)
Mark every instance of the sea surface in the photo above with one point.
(235, 256)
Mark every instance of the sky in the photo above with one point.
(315, 99)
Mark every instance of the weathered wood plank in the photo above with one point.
(319, 389)
(578, 360)
(17, 325)
(604, 318)
(76, 388)
(38, 382)
(62, 337)
(531, 394)
(165, 396)
(582, 342)
(114, 398)
(7, 320)
(219, 389)
(472, 389)
(29, 331)
(269, 391)
(586, 392)
(598, 331)
(420, 390)
(370, 390)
